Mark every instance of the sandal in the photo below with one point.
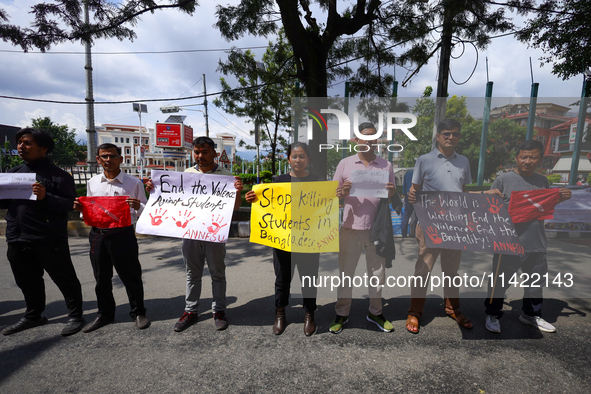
(462, 320)
(412, 321)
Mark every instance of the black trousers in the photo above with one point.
(530, 263)
(28, 260)
(284, 264)
(116, 248)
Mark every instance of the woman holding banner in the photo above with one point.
(284, 262)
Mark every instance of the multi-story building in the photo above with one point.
(548, 116)
(128, 139)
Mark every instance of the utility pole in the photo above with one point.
(90, 130)
(531, 119)
(205, 104)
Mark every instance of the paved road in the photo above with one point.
(247, 357)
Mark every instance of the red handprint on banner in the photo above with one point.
(215, 226)
(185, 217)
(432, 233)
(472, 224)
(157, 218)
(495, 205)
(437, 207)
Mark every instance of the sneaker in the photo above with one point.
(538, 322)
(23, 324)
(220, 321)
(337, 325)
(186, 320)
(381, 322)
(73, 326)
(492, 324)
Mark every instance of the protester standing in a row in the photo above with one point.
(532, 236)
(37, 237)
(284, 263)
(116, 247)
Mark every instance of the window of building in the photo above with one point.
(542, 139)
(107, 140)
(146, 141)
(127, 161)
(127, 140)
(135, 141)
(127, 151)
(116, 139)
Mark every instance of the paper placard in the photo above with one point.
(189, 205)
(368, 183)
(17, 185)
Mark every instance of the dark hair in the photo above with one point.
(530, 145)
(302, 145)
(204, 141)
(448, 124)
(108, 146)
(366, 125)
(40, 137)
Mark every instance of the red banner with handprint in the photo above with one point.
(530, 205)
(106, 212)
(464, 221)
(189, 205)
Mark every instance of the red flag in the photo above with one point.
(529, 205)
(106, 212)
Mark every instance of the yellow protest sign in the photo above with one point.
(296, 217)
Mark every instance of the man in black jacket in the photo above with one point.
(36, 233)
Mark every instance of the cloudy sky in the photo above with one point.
(117, 76)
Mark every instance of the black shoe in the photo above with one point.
(142, 322)
(186, 320)
(73, 326)
(97, 323)
(220, 321)
(24, 324)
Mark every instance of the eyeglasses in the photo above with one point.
(449, 134)
(109, 157)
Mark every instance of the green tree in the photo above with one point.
(66, 151)
(503, 136)
(322, 53)
(63, 20)
(561, 29)
(269, 105)
(8, 159)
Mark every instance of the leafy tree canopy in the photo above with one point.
(63, 20)
(503, 136)
(66, 151)
(268, 106)
(561, 29)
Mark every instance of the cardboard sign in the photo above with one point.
(296, 217)
(465, 221)
(189, 205)
(106, 211)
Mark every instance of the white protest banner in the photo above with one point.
(189, 205)
(368, 183)
(17, 186)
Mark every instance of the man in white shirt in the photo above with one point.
(116, 247)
